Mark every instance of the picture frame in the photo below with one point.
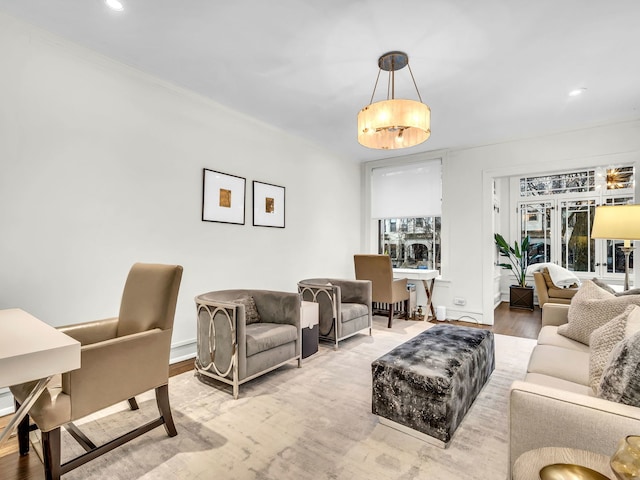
(268, 205)
(223, 197)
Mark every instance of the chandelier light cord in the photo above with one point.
(414, 83)
(391, 73)
(375, 86)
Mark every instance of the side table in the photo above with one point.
(310, 325)
(529, 464)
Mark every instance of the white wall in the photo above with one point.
(102, 167)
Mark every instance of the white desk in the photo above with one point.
(428, 278)
(32, 350)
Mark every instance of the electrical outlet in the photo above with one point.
(459, 301)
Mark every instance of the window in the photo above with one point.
(415, 244)
(560, 218)
(406, 203)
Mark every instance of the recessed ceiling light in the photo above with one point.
(577, 91)
(114, 5)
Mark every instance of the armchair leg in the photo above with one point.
(390, 315)
(51, 454)
(23, 433)
(162, 399)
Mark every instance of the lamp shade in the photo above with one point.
(395, 123)
(617, 222)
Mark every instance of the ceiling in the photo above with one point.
(490, 70)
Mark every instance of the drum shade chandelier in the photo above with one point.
(394, 123)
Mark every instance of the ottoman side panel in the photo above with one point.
(397, 396)
(475, 368)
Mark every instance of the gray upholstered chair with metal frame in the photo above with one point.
(344, 306)
(121, 357)
(385, 289)
(243, 334)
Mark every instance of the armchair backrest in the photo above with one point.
(149, 298)
(377, 269)
(541, 288)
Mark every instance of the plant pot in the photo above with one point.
(521, 297)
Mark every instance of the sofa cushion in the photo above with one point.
(263, 336)
(351, 311)
(549, 336)
(251, 314)
(554, 382)
(621, 377)
(591, 308)
(563, 363)
(602, 341)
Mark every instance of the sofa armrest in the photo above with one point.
(541, 416)
(92, 332)
(554, 314)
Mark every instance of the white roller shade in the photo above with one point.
(402, 191)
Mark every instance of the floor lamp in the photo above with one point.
(618, 222)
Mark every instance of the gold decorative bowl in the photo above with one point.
(567, 471)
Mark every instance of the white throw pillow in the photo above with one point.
(591, 308)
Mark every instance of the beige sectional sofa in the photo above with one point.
(554, 406)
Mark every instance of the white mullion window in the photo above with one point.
(536, 219)
(577, 248)
(557, 211)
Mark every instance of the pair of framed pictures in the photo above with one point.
(223, 198)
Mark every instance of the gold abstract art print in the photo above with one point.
(269, 205)
(225, 198)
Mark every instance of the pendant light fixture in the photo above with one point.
(394, 122)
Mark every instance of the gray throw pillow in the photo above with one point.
(603, 285)
(592, 307)
(251, 314)
(602, 341)
(621, 377)
(631, 291)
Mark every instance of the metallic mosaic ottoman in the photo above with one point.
(425, 386)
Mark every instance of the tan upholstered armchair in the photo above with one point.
(121, 357)
(344, 306)
(548, 292)
(378, 269)
(245, 333)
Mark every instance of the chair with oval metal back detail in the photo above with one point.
(344, 306)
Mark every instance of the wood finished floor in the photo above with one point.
(512, 322)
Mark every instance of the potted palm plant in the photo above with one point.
(520, 295)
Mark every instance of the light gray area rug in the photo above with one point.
(308, 423)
